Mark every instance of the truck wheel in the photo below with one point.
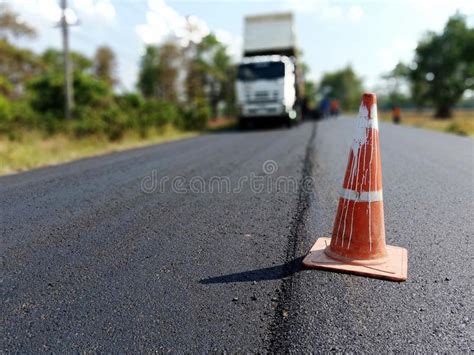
(243, 124)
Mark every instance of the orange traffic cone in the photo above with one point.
(358, 239)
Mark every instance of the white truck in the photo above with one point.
(269, 85)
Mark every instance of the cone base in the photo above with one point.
(394, 269)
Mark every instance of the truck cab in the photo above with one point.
(266, 88)
(269, 79)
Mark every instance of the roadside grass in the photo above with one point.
(461, 124)
(31, 149)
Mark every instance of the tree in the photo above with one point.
(395, 80)
(343, 85)
(10, 24)
(46, 88)
(52, 59)
(149, 72)
(159, 72)
(211, 75)
(105, 65)
(17, 65)
(170, 60)
(310, 90)
(443, 67)
(47, 94)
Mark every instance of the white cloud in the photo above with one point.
(36, 13)
(355, 13)
(435, 12)
(401, 49)
(331, 12)
(71, 16)
(326, 10)
(95, 9)
(45, 13)
(164, 22)
(305, 6)
(233, 43)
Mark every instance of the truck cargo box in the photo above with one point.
(269, 34)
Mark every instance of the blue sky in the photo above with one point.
(370, 35)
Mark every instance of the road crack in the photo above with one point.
(279, 340)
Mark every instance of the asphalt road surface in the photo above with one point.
(147, 250)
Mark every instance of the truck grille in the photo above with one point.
(261, 96)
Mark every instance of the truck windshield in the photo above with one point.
(261, 71)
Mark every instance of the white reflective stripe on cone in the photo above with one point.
(363, 196)
(370, 123)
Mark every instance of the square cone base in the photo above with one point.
(394, 269)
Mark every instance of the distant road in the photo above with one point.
(97, 256)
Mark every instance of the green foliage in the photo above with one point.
(343, 85)
(444, 66)
(311, 92)
(129, 101)
(196, 116)
(6, 87)
(211, 75)
(16, 115)
(115, 121)
(88, 125)
(111, 122)
(394, 80)
(11, 24)
(149, 72)
(159, 71)
(150, 115)
(47, 92)
(89, 91)
(128, 112)
(105, 65)
(5, 114)
(32, 88)
(53, 61)
(17, 65)
(457, 128)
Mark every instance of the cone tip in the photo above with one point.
(369, 99)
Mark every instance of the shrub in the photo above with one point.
(108, 121)
(155, 114)
(23, 115)
(461, 127)
(129, 102)
(115, 123)
(50, 123)
(6, 116)
(15, 115)
(90, 124)
(6, 88)
(47, 93)
(196, 116)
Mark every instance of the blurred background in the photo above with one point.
(81, 77)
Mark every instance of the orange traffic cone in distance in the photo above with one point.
(358, 239)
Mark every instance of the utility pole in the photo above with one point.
(68, 87)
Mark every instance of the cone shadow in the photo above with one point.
(270, 273)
